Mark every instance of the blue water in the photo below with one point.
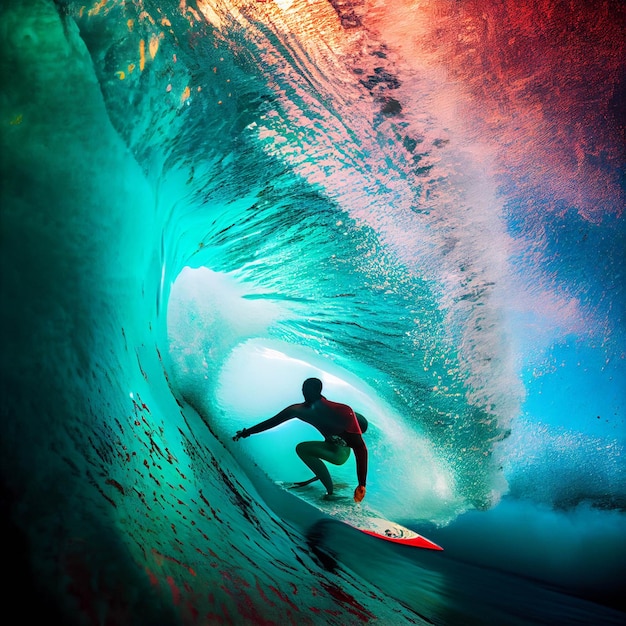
(205, 203)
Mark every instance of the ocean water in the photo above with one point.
(205, 202)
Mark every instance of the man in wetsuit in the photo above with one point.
(338, 424)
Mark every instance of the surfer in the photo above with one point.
(341, 427)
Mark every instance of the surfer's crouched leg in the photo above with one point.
(312, 453)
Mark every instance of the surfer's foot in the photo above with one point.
(304, 483)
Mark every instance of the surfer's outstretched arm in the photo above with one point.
(356, 442)
(279, 418)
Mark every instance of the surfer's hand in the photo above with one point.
(243, 433)
(359, 493)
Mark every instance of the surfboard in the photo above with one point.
(360, 516)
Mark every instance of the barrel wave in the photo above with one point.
(206, 202)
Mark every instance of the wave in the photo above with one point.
(206, 201)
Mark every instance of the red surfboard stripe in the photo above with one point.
(416, 542)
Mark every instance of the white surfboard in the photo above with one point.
(360, 516)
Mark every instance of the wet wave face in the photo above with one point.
(204, 203)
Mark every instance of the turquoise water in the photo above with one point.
(205, 203)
